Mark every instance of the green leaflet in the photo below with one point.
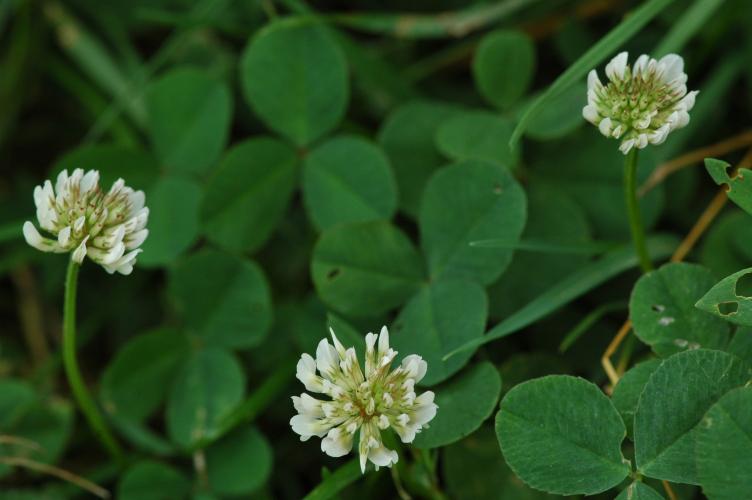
(724, 446)
(739, 186)
(562, 435)
(727, 299)
(663, 312)
(671, 407)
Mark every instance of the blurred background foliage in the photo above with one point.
(294, 160)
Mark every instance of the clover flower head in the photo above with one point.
(641, 104)
(372, 401)
(108, 227)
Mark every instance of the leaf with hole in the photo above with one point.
(739, 185)
(730, 298)
(365, 269)
(663, 313)
(464, 402)
(465, 202)
(562, 435)
(671, 407)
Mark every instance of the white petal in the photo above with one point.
(415, 367)
(640, 65)
(337, 442)
(383, 341)
(62, 177)
(641, 141)
(626, 145)
(36, 240)
(424, 409)
(590, 113)
(605, 126)
(617, 67)
(593, 82)
(80, 252)
(137, 200)
(307, 426)
(327, 359)
(89, 181)
(670, 66)
(135, 240)
(63, 237)
(659, 136)
(307, 405)
(689, 100)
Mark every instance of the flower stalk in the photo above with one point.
(84, 400)
(633, 210)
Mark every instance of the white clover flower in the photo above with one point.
(90, 222)
(639, 105)
(376, 401)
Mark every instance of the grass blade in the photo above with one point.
(336, 481)
(543, 246)
(572, 287)
(445, 24)
(597, 53)
(686, 26)
(589, 320)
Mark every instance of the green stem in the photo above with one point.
(83, 398)
(633, 210)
